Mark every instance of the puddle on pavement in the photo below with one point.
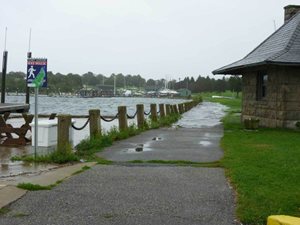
(142, 147)
(156, 139)
(138, 148)
(205, 143)
(133, 150)
(10, 169)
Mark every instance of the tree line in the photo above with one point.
(71, 83)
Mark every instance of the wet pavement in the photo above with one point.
(206, 114)
(195, 137)
(190, 144)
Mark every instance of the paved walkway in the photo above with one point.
(140, 194)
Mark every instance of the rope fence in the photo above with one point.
(132, 117)
(147, 114)
(81, 128)
(64, 121)
(109, 120)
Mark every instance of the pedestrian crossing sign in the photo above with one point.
(37, 72)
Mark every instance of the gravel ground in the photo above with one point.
(130, 195)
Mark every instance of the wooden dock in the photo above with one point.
(13, 107)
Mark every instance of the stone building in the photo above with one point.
(271, 76)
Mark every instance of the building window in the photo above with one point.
(261, 87)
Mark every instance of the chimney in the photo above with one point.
(290, 11)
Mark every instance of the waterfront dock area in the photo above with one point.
(13, 107)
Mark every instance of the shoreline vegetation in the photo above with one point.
(262, 165)
(70, 84)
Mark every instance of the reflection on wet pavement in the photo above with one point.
(205, 143)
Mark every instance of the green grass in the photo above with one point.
(55, 157)
(84, 168)
(263, 166)
(230, 99)
(4, 210)
(34, 187)
(37, 187)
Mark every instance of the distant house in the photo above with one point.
(184, 92)
(271, 76)
(97, 91)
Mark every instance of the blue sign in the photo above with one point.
(36, 72)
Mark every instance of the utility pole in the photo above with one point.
(29, 55)
(4, 69)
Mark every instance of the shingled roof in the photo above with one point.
(281, 48)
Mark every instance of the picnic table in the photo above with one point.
(10, 135)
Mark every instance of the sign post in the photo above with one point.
(36, 77)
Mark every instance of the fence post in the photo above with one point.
(183, 107)
(140, 116)
(63, 132)
(162, 110)
(122, 114)
(168, 109)
(180, 108)
(186, 107)
(172, 109)
(153, 112)
(175, 109)
(95, 122)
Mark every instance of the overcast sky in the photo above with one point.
(153, 38)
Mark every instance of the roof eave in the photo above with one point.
(237, 70)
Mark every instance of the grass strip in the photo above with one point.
(84, 168)
(179, 163)
(37, 187)
(4, 210)
(34, 187)
(55, 157)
